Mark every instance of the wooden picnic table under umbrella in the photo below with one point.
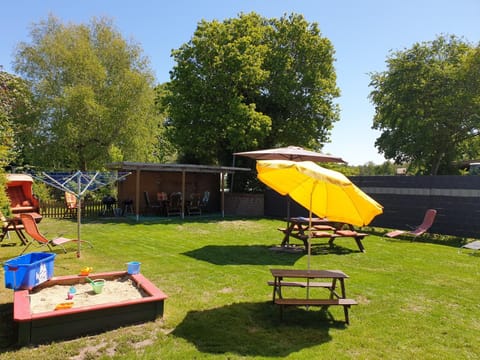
(327, 194)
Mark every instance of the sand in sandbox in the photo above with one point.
(113, 291)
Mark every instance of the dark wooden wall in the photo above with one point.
(405, 200)
(169, 182)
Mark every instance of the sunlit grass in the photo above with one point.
(417, 300)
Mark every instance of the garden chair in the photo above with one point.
(30, 227)
(174, 206)
(149, 205)
(205, 199)
(428, 220)
(71, 206)
(194, 206)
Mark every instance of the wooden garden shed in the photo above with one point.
(151, 179)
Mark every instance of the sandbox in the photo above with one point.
(41, 327)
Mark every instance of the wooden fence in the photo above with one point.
(58, 209)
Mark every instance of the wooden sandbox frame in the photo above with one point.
(70, 323)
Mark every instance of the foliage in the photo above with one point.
(412, 305)
(15, 103)
(42, 191)
(248, 83)
(427, 104)
(370, 169)
(95, 93)
(167, 151)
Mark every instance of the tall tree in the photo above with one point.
(95, 92)
(15, 103)
(248, 83)
(427, 104)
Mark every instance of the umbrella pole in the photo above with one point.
(309, 251)
(288, 211)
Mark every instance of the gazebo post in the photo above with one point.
(183, 194)
(137, 194)
(222, 190)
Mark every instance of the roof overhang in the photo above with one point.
(135, 166)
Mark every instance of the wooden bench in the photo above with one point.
(303, 284)
(346, 303)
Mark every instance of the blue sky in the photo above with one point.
(362, 32)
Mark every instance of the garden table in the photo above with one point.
(299, 228)
(333, 278)
(15, 224)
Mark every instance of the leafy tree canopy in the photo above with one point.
(95, 95)
(427, 104)
(248, 83)
(15, 103)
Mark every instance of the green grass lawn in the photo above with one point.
(417, 300)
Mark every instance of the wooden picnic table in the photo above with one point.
(14, 223)
(333, 278)
(301, 227)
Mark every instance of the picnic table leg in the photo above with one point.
(288, 230)
(277, 289)
(344, 296)
(342, 288)
(330, 242)
(332, 289)
(358, 239)
(345, 310)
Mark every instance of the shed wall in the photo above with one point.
(169, 182)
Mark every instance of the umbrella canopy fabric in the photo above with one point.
(292, 153)
(326, 193)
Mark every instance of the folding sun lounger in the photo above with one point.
(420, 229)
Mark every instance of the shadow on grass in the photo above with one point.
(325, 249)
(255, 329)
(242, 255)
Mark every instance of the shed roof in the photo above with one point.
(132, 166)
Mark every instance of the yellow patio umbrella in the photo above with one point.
(325, 193)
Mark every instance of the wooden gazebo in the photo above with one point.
(154, 178)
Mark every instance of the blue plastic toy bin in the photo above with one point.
(133, 267)
(29, 270)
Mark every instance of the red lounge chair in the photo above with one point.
(30, 227)
(420, 229)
